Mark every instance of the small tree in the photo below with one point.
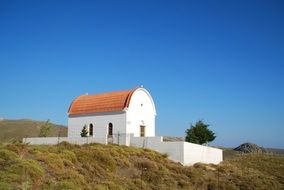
(45, 129)
(84, 132)
(199, 133)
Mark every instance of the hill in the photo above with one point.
(276, 150)
(250, 148)
(97, 166)
(233, 152)
(11, 130)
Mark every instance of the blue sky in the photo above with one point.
(220, 61)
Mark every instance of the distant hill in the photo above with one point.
(11, 130)
(250, 148)
(276, 150)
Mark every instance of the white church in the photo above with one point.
(122, 112)
(126, 118)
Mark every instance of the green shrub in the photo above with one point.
(7, 155)
(69, 155)
(66, 185)
(5, 186)
(105, 159)
(145, 164)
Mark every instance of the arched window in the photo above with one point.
(110, 129)
(91, 129)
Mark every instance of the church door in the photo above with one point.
(142, 131)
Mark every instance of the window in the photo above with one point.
(91, 130)
(142, 131)
(110, 129)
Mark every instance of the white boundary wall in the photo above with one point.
(173, 149)
(194, 153)
(182, 152)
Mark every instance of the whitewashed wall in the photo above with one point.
(121, 139)
(141, 111)
(100, 124)
(183, 152)
(173, 149)
(194, 153)
(145, 142)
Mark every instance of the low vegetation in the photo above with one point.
(97, 166)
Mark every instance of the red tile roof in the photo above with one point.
(97, 103)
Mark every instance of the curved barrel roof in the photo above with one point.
(97, 103)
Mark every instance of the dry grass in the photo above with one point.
(98, 166)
